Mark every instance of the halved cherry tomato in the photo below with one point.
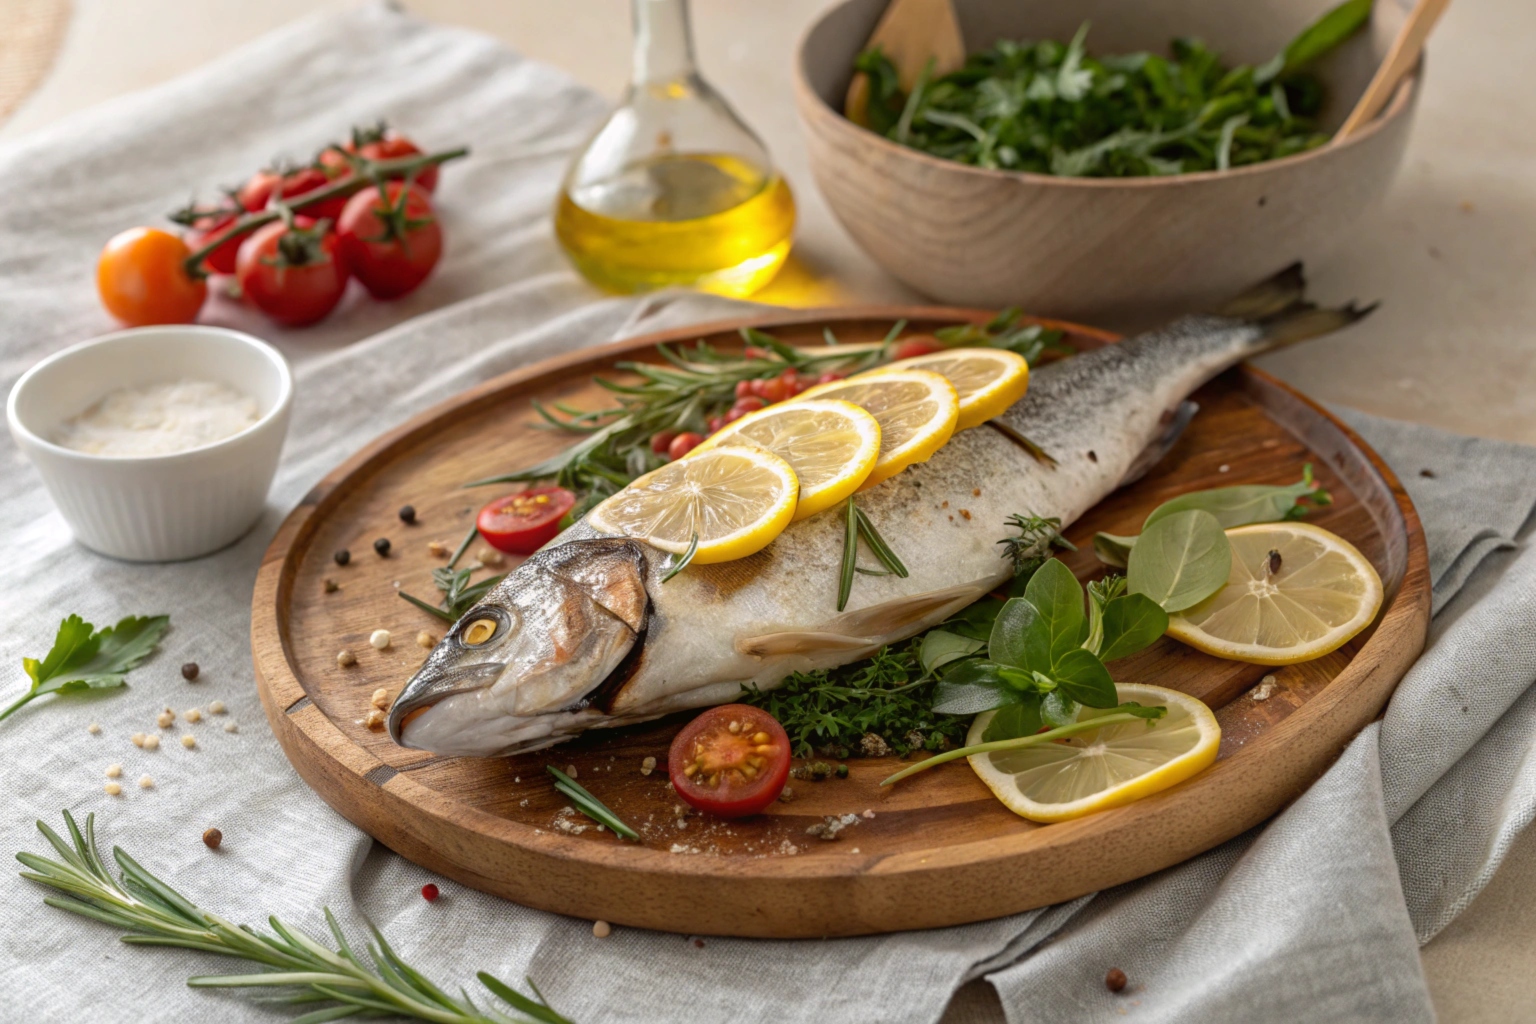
(390, 239)
(141, 279)
(293, 273)
(916, 347)
(731, 761)
(520, 524)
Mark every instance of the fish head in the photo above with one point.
(543, 641)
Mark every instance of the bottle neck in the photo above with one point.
(663, 42)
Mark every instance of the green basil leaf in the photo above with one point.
(940, 647)
(975, 621)
(1009, 641)
(1058, 597)
(1235, 506)
(1082, 677)
(1131, 623)
(1057, 709)
(973, 687)
(1015, 720)
(1112, 549)
(1180, 560)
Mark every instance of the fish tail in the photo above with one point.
(1279, 305)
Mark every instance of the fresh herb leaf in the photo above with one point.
(1062, 626)
(1249, 503)
(1180, 560)
(1316, 39)
(683, 562)
(85, 658)
(1020, 637)
(1038, 537)
(1032, 341)
(1082, 677)
(940, 647)
(1021, 719)
(1131, 623)
(1113, 550)
(888, 695)
(459, 593)
(972, 687)
(153, 914)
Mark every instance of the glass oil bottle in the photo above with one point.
(673, 189)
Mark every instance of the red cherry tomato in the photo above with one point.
(258, 188)
(916, 347)
(521, 523)
(749, 404)
(206, 229)
(731, 761)
(662, 440)
(684, 443)
(141, 279)
(390, 239)
(294, 274)
(378, 142)
(300, 183)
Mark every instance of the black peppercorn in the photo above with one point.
(342, 557)
(382, 547)
(407, 513)
(189, 671)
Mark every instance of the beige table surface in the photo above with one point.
(1451, 252)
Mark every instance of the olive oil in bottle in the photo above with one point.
(673, 189)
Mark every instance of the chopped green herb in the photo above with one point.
(1052, 108)
(590, 805)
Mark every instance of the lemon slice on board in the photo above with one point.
(1317, 595)
(832, 446)
(1104, 768)
(916, 409)
(736, 499)
(988, 380)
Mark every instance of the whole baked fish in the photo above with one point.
(584, 634)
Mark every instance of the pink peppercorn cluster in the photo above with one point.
(751, 395)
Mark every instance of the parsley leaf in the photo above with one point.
(85, 658)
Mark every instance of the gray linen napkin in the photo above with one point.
(1306, 919)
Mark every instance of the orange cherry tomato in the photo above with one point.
(141, 279)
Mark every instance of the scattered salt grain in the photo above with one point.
(1265, 689)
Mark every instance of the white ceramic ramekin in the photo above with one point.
(160, 508)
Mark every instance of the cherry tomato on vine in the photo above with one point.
(258, 188)
(292, 272)
(521, 523)
(390, 239)
(916, 347)
(298, 184)
(731, 761)
(141, 279)
(206, 229)
(377, 142)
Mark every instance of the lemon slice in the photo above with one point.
(736, 499)
(916, 409)
(832, 446)
(1323, 593)
(1103, 768)
(988, 380)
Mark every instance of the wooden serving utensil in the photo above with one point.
(1401, 59)
(910, 32)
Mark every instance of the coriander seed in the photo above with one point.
(145, 782)
(231, 727)
(342, 557)
(426, 640)
(151, 742)
(188, 741)
(382, 547)
(602, 929)
(189, 671)
(165, 718)
(375, 719)
(93, 729)
(346, 659)
(114, 771)
(407, 514)
(112, 789)
(437, 549)
(192, 715)
(216, 708)
(380, 698)
(331, 586)
(212, 838)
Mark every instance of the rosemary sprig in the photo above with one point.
(459, 595)
(590, 805)
(154, 914)
(858, 525)
(682, 563)
(1038, 537)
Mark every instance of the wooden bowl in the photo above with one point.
(1123, 251)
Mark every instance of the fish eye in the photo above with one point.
(478, 632)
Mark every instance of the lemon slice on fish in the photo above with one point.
(988, 380)
(1311, 599)
(916, 409)
(1103, 768)
(737, 500)
(832, 446)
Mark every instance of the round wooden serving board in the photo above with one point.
(938, 849)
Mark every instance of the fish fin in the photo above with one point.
(1175, 420)
(1272, 295)
(1304, 321)
(869, 629)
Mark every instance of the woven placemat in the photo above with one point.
(30, 39)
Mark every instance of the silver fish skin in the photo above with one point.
(587, 635)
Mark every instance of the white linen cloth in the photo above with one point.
(1313, 917)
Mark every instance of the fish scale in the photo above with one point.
(712, 629)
